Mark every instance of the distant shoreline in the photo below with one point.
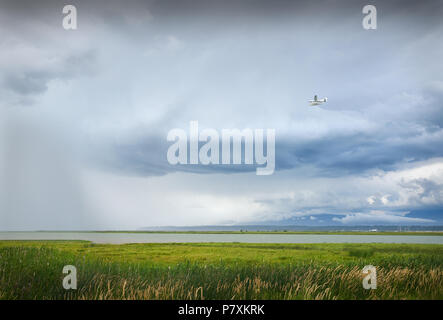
(390, 233)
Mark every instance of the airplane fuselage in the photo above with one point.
(317, 102)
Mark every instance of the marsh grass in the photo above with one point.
(33, 270)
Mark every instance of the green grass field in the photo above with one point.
(33, 270)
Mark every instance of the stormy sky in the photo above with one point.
(84, 114)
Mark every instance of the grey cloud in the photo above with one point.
(24, 81)
(427, 191)
(27, 82)
(122, 83)
(380, 218)
(334, 155)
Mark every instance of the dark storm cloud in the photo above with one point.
(426, 11)
(407, 137)
(359, 152)
(335, 155)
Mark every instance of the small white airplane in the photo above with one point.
(317, 102)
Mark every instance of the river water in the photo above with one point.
(120, 238)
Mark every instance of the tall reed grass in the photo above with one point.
(36, 273)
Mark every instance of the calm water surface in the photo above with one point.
(119, 238)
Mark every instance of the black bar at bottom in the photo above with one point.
(225, 309)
